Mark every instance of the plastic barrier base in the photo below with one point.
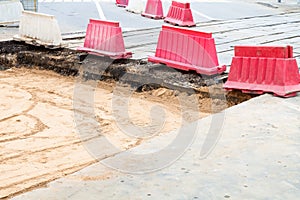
(188, 67)
(112, 55)
(37, 42)
(287, 91)
(152, 16)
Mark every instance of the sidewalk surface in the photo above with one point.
(257, 155)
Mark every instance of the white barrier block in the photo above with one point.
(166, 6)
(10, 11)
(136, 6)
(39, 29)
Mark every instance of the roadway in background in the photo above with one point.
(73, 15)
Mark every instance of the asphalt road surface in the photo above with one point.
(73, 15)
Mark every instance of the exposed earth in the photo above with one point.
(39, 137)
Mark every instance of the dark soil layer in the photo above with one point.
(138, 73)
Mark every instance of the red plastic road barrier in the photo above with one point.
(262, 69)
(180, 14)
(122, 3)
(105, 38)
(187, 50)
(154, 9)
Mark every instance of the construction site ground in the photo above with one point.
(244, 146)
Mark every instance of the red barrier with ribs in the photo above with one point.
(105, 38)
(180, 14)
(260, 69)
(154, 9)
(187, 50)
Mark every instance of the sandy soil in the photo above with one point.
(39, 139)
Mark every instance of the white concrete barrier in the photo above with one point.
(39, 29)
(136, 6)
(10, 11)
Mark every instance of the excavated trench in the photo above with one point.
(139, 74)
